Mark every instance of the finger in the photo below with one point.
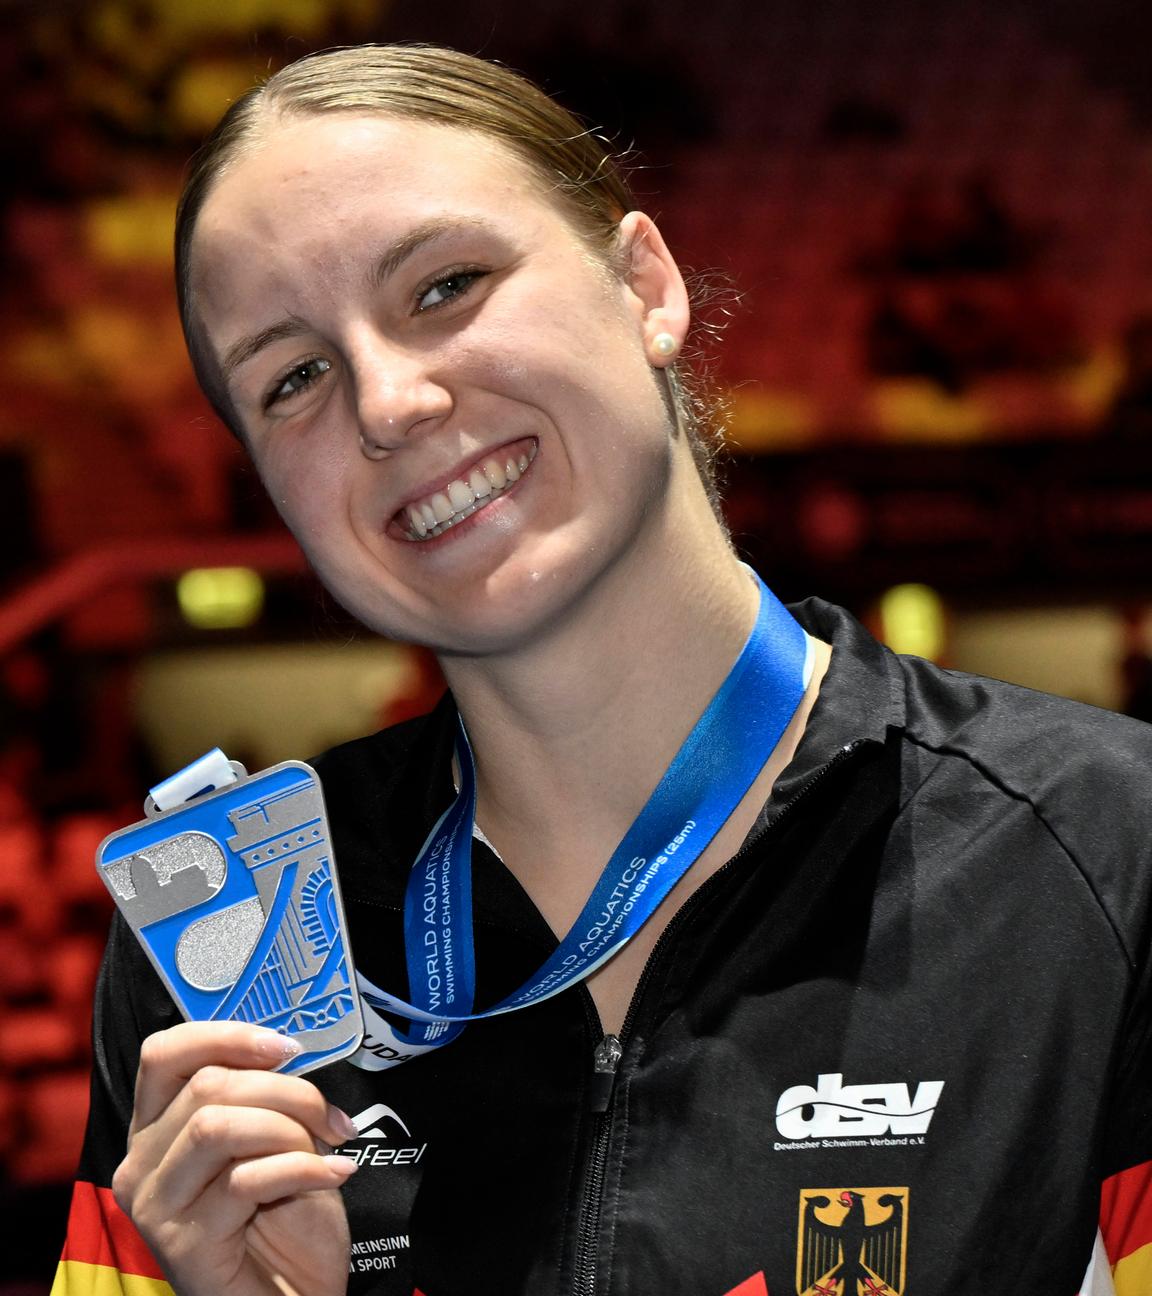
(214, 1139)
(290, 1095)
(230, 1201)
(169, 1058)
(268, 1179)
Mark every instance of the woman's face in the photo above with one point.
(412, 335)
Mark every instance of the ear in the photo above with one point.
(654, 289)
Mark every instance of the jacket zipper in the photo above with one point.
(607, 1054)
(605, 1061)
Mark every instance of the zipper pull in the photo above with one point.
(605, 1060)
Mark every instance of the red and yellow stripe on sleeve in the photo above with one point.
(103, 1254)
(1126, 1225)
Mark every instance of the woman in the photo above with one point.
(889, 1030)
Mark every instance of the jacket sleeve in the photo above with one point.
(1126, 1215)
(1126, 1228)
(1126, 1195)
(103, 1253)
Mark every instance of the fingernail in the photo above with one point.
(341, 1123)
(344, 1165)
(280, 1047)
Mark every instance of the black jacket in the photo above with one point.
(896, 1044)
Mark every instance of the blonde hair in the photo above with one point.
(431, 84)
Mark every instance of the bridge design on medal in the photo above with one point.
(295, 978)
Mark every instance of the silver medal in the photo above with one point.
(234, 898)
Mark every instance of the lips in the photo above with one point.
(481, 485)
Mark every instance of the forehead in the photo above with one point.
(317, 175)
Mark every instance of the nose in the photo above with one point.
(396, 395)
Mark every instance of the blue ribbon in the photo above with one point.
(706, 781)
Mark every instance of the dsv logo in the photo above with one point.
(834, 1109)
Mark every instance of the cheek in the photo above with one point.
(569, 322)
(307, 478)
(581, 368)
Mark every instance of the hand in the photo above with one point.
(226, 1175)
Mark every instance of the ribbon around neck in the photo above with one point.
(707, 779)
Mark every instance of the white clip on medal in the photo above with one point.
(229, 885)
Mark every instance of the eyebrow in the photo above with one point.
(423, 234)
(243, 351)
(245, 348)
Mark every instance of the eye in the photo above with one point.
(447, 287)
(299, 378)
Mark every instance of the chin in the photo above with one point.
(476, 623)
(511, 598)
(497, 628)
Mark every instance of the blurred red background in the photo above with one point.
(936, 216)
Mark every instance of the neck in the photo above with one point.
(573, 733)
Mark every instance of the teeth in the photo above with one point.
(461, 498)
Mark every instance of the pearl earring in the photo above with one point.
(664, 344)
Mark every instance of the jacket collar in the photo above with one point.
(861, 697)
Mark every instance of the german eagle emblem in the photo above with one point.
(852, 1242)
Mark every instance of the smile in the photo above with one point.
(424, 519)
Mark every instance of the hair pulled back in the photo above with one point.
(426, 83)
